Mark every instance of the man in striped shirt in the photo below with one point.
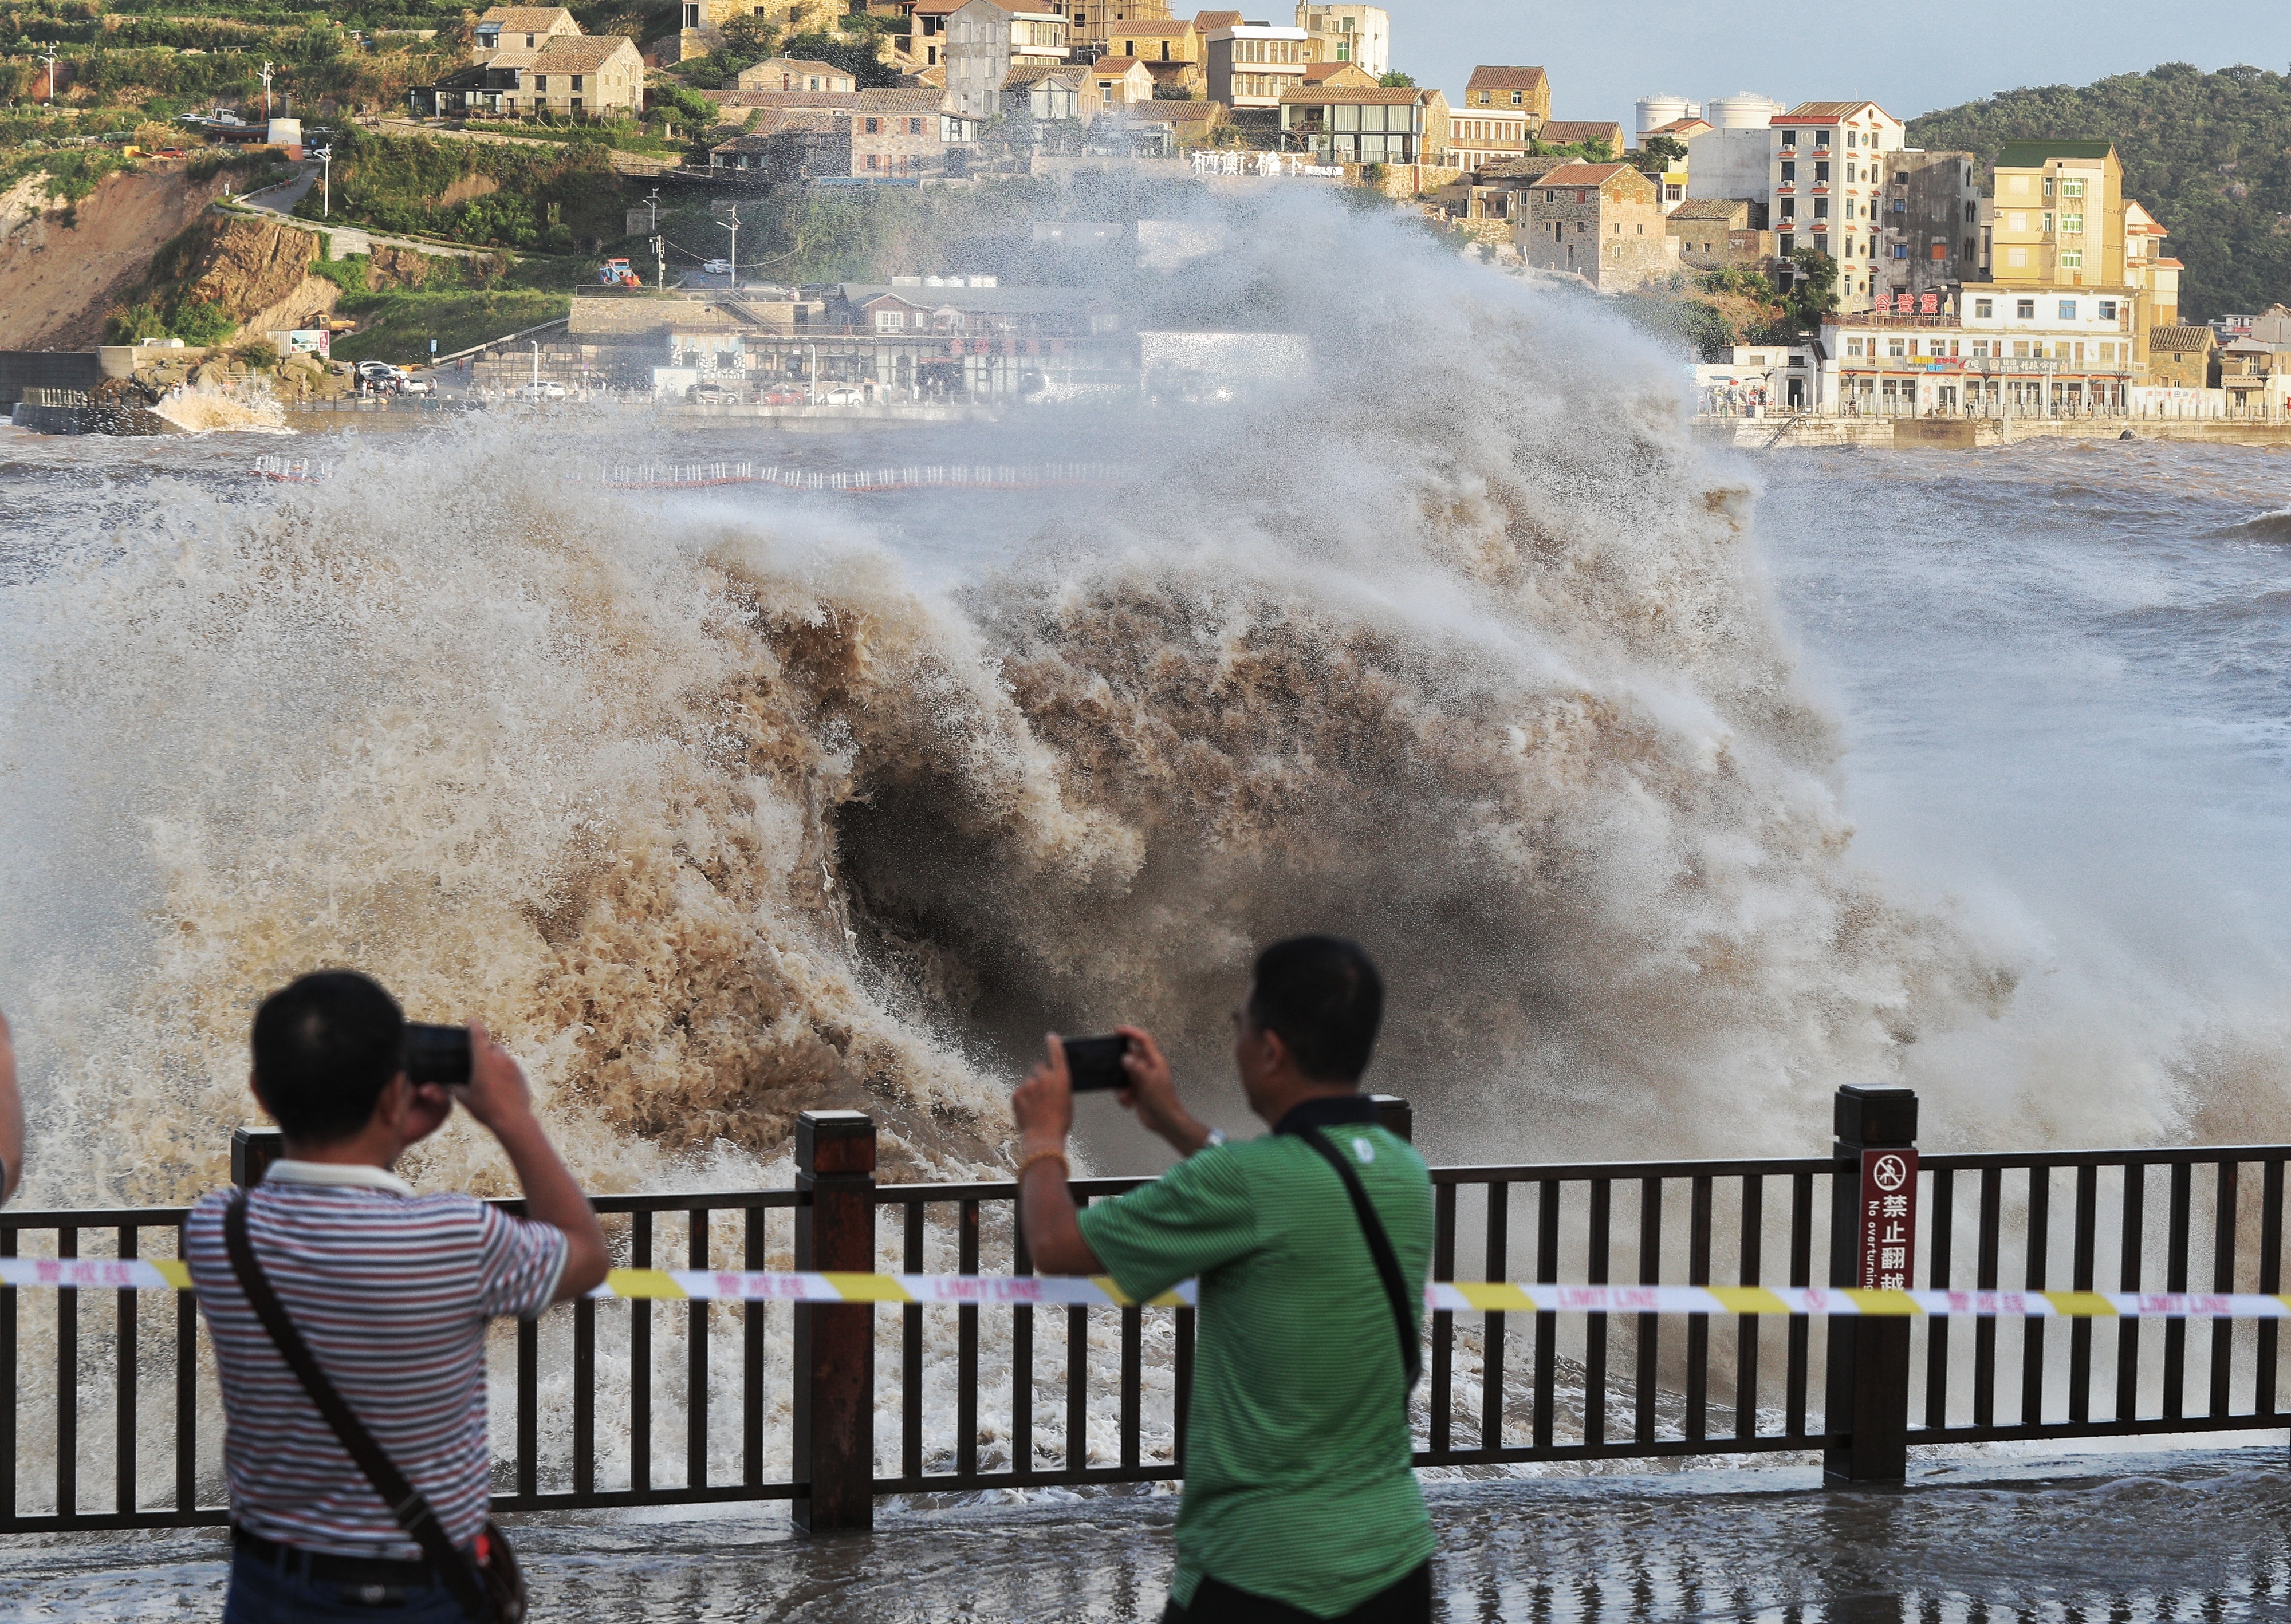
(392, 1291)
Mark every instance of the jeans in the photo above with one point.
(1406, 1601)
(260, 1594)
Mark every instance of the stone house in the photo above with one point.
(1603, 222)
(586, 73)
(701, 22)
(2244, 367)
(1502, 111)
(1722, 234)
(1051, 92)
(880, 135)
(517, 28)
(1170, 48)
(1122, 80)
(788, 74)
(2182, 358)
(1337, 74)
(1191, 123)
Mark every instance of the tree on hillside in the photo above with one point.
(2208, 154)
(1656, 154)
(1813, 293)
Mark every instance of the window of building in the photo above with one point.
(1894, 346)
(2068, 306)
(1820, 174)
(1790, 139)
(2073, 224)
(541, 81)
(1790, 173)
(1853, 346)
(2048, 222)
(1970, 248)
(1821, 208)
(2016, 258)
(2024, 309)
(2072, 189)
(2071, 259)
(1790, 244)
(576, 83)
(577, 104)
(1901, 251)
(2108, 352)
(890, 321)
(2108, 309)
(1821, 140)
(1516, 97)
(875, 126)
(2020, 350)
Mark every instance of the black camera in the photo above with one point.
(438, 1054)
(1095, 1064)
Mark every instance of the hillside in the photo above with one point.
(2208, 154)
(66, 265)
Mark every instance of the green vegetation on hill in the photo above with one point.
(398, 326)
(2208, 154)
(545, 195)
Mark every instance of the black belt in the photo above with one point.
(330, 1568)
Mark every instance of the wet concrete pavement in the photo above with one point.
(2142, 1537)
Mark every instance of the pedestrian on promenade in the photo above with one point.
(11, 1117)
(1312, 1246)
(385, 1296)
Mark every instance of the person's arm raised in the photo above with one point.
(497, 1096)
(11, 1117)
(1043, 1107)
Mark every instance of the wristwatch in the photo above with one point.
(1216, 1139)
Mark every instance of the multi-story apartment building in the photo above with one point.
(1096, 21)
(1826, 186)
(978, 43)
(1503, 109)
(2059, 217)
(1930, 214)
(2002, 352)
(1603, 222)
(1250, 65)
(1361, 35)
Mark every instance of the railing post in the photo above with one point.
(834, 1415)
(253, 1150)
(1869, 1385)
(1394, 1116)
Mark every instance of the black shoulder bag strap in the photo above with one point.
(1380, 1247)
(456, 1570)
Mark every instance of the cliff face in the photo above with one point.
(60, 280)
(246, 265)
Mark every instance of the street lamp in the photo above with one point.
(655, 201)
(732, 224)
(266, 93)
(325, 156)
(659, 261)
(51, 77)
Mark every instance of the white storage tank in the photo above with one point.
(1744, 111)
(1656, 111)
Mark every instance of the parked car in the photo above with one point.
(718, 268)
(411, 385)
(842, 396)
(548, 389)
(709, 394)
(782, 397)
(377, 372)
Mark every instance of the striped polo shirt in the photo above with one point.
(392, 1291)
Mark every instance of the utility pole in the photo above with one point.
(266, 93)
(536, 361)
(659, 261)
(655, 201)
(326, 183)
(732, 224)
(51, 75)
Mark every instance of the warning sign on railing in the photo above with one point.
(1888, 1219)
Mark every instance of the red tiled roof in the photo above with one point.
(1583, 175)
(1504, 78)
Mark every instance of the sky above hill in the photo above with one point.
(1909, 60)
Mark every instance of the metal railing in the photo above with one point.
(109, 1420)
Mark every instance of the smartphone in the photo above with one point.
(1095, 1064)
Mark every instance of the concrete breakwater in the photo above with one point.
(58, 411)
(1974, 433)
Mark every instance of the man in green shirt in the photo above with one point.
(1300, 1502)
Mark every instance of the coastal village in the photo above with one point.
(1873, 279)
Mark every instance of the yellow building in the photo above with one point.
(2059, 215)
(702, 20)
(2147, 268)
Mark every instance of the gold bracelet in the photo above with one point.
(1044, 1155)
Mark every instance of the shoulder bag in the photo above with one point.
(490, 1588)
(1380, 1247)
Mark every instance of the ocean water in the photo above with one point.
(1672, 786)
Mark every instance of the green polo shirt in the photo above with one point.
(1297, 1482)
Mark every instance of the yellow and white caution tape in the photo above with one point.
(1099, 1291)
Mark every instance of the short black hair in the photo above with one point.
(326, 1046)
(1322, 995)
